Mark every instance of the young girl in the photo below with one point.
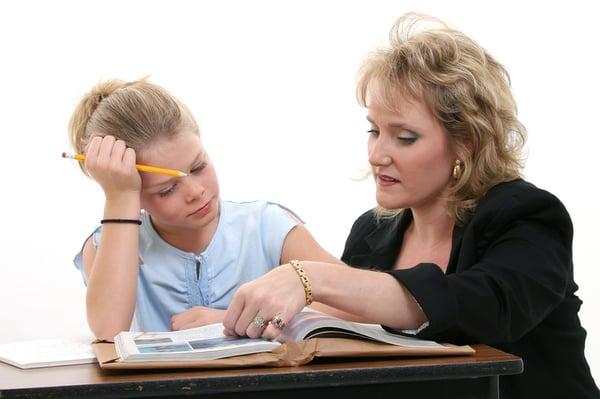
(169, 253)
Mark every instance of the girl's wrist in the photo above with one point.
(122, 207)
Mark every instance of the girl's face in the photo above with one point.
(410, 155)
(190, 202)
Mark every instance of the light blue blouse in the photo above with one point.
(247, 244)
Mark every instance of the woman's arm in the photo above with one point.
(301, 245)
(371, 296)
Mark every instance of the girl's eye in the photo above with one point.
(198, 168)
(373, 132)
(168, 191)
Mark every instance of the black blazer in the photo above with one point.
(509, 283)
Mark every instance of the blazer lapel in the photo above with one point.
(384, 243)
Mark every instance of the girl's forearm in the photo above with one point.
(112, 282)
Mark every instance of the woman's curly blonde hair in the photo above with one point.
(466, 89)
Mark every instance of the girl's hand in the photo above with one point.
(277, 294)
(196, 317)
(112, 165)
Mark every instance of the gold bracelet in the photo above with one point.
(304, 279)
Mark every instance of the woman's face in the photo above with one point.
(180, 202)
(410, 155)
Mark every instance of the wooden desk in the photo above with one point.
(440, 377)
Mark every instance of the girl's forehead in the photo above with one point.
(180, 146)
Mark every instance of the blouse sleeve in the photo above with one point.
(78, 260)
(277, 222)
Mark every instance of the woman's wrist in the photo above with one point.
(306, 285)
(313, 273)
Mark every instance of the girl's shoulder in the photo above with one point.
(234, 210)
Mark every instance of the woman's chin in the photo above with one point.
(384, 201)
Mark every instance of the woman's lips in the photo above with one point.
(386, 181)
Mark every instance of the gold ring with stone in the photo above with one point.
(259, 322)
(278, 322)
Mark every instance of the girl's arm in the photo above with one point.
(300, 244)
(112, 268)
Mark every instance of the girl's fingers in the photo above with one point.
(118, 150)
(129, 159)
(91, 151)
(106, 148)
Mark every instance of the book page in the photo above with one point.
(200, 343)
(50, 352)
(311, 324)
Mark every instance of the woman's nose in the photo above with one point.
(378, 152)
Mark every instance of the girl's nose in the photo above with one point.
(194, 188)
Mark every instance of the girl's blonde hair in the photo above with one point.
(467, 90)
(136, 112)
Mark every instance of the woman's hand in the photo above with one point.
(278, 293)
(196, 317)
(112, 165)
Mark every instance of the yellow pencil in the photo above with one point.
(141, 168)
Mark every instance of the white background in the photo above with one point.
(272, 86)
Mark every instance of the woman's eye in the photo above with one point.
(407, 139)
(373, 132)
(168, 191)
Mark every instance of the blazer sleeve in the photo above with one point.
(519, 274)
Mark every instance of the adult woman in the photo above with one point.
(472, 253)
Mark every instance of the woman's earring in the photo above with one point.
(457, 170)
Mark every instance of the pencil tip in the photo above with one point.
(64, 154)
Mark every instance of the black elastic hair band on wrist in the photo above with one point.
(132, 221)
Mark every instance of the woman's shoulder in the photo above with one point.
(518, 194)
(520, 200)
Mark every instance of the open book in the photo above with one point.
(209, 342)
(200, 343)
(48, 352)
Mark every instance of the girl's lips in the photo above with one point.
(203, 210)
